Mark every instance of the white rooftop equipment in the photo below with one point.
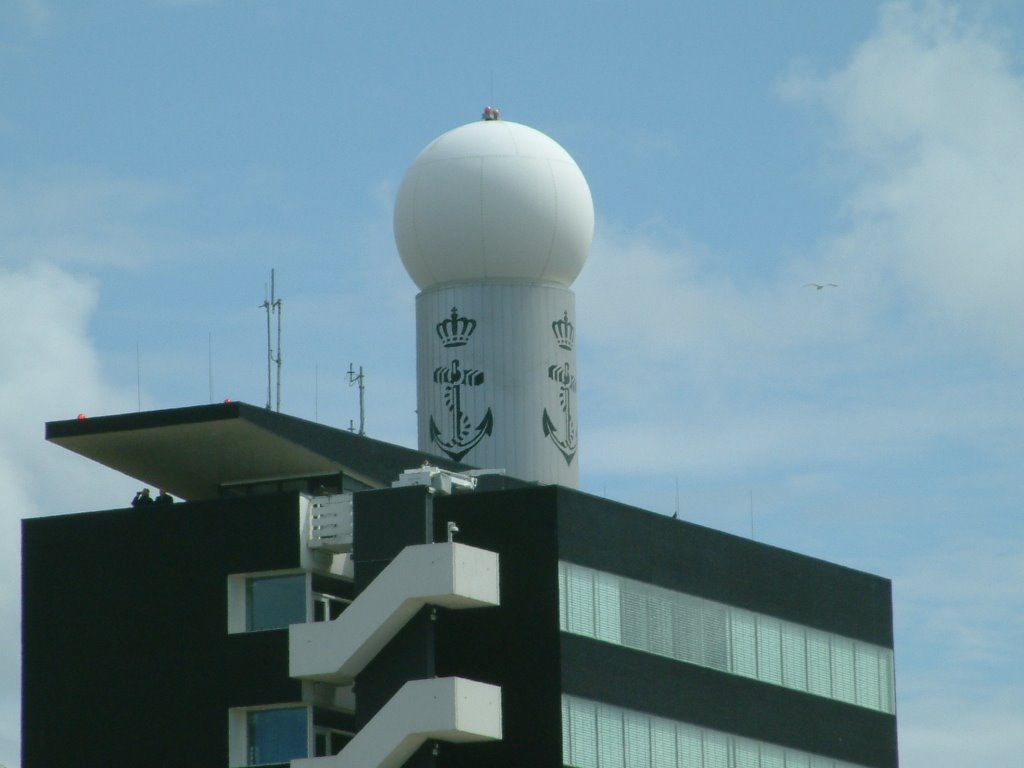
(441, 480)
(493, 222)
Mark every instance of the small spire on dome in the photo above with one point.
(490, 113)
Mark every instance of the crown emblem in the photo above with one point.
(565, 332)
(455, 331)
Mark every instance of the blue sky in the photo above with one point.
(159, 157)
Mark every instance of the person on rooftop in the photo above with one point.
(142, 498)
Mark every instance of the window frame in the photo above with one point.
(238, 591)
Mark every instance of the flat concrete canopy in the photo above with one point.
(192, 452)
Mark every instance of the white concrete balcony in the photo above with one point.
(444, 708)
(450, 575)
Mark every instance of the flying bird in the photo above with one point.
(819, 286)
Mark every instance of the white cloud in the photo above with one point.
(966, 601)
(963, 606)
(48, 371)
(932, 120)
(918, 345)
(725, 377)
(945, 731)
(900, 387)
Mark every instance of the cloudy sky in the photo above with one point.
(159, 157)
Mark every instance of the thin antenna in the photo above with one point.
(751, 514)
(138, 376)
(675, 515)
(209, 360)
(270, 352)
(316, 392)
(354, 378)
(273, 306)
(278, 305)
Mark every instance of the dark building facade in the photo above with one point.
(616, 637)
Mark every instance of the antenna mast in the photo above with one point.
(354, 378)
(675, 515)
(273, 306)
(209, 360)
(138, 376)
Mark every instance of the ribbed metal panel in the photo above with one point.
(496, 381)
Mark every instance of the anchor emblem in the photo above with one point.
(464, 437)
(566, 380)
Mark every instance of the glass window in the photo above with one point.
(580, 604)
(637, 731)
(273, 602)
(715, 639)
(627, 739)
(747, 754)
(634, 616)
(887, 694)
(566, 730)
(688, 746)
(843, 682)
(794, 657)
(744, 643)
(660, 618)
(688, 629)
(608, 600)
(716, 750)
(772, 757)
(819, 673)
(563, 597)
(868, 692)
(675, 625)
(583, 730)
(769, 650)
(611, 751)
(663, 744)
(278, 735)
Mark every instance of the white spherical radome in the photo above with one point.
(493, 200)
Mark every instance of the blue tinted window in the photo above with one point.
(273, 602)
(277, 735)
(731, 639)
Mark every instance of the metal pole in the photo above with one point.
(362, 409)
(138, 376)
(354, 378)
(277, 308)
(270, 352)
(273, 305)
(209, 361)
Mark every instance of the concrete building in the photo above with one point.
(325, 600)
(598, 635)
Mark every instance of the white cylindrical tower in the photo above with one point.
(493, 222)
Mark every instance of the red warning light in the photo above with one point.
(81, 417)
(227, 400)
